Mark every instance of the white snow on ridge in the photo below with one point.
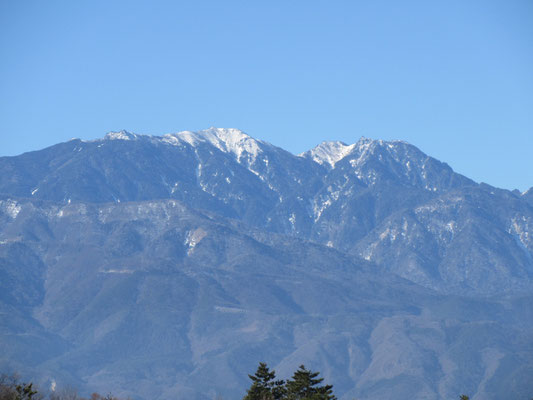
(193, 238)
(329, 152)
(243, 147)
(122, 135)
(520, 227)
(229, 140)
(232, 141)
(11, 208)
(182, 137)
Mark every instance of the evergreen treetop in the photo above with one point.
(264, 386)
(302, 386)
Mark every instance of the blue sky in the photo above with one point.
(453, 77)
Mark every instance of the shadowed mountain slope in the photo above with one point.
(152, 299)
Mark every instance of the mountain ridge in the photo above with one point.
(149, 266)
(342, 204)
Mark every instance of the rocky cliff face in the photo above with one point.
(150, 265)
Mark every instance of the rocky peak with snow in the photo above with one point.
(328, 153)
(397, 150)
(231, 141)
(378, 161)
(120, 135)
(334, 194)
(234, 142)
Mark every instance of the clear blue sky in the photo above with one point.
(453, 77)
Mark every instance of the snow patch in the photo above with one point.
(451, 227)
(232, 141)
(318, 209)
(329, 153)
(11, 208)
(193, 238)
(520, 229)
(389, 233)
(292, 219)
(122, 135)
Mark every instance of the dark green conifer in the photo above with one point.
(264, 386)
(303, 386)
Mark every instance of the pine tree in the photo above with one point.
(264, 386)
(303, 386)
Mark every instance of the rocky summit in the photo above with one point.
(167, 267)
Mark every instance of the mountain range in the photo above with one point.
(150, 265)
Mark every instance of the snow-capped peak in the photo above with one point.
(229, 140)
(121, 135)
(329, 152)
(232, 141)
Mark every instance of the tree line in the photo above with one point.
(12, 388)
(304, 385)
